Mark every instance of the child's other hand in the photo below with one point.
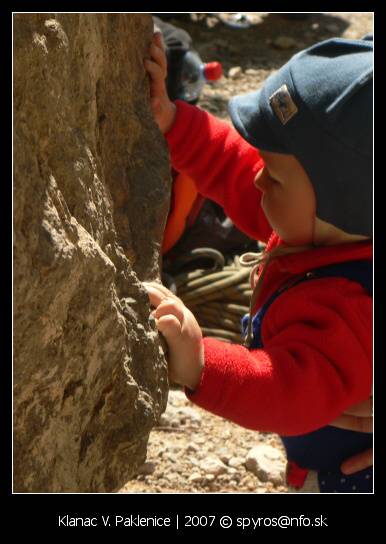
(164, 110)
(182, 334)
(358, 462)
(357, 418)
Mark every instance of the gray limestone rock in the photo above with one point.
(267, 463)
(91, 195)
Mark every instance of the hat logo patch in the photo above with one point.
(283, 105)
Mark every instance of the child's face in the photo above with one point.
(288, 200)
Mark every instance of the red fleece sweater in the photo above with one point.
(317, 336)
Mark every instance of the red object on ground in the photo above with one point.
(296, 476)
(212, 71)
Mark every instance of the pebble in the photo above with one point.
(236, 462)
(173, 448)
(284, 42)
(224, 455)
(332, 28)
(192, 447)
(147, 468)
(167, 420)
(189, 415)
(213, 465)
(235, 72)
(201, 455)
(171, 477)
(252, 72)
(267, 463)
(177, 398)
(221, 43)
(177, 416)
(195, 477)
(193, 461)
(170, 457)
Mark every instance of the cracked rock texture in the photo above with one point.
(91, 195)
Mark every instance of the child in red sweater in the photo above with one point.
(300, 179)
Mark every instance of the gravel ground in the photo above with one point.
(193, 451)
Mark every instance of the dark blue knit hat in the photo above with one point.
(319, 107)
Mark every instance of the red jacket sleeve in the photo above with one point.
(222, 164)
(316, 362)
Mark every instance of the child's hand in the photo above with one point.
(182, 334)
(357, 418)
(358, 462)
(164, 110)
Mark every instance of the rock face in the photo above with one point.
(91, 194)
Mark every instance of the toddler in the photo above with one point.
(296, 174)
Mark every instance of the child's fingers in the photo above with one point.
(155, 102)
(158, 40)
(357, 462)
(155, 296)
(156, 72)
(354, 423)
(170, 307)
(157, 77)
(169, 326)
(161, 289)
(158, 55)
(158, 294)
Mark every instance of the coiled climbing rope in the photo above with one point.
(219, 296)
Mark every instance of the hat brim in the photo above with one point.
(248, 119)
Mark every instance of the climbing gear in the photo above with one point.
(187, 74)
(184, 196)
(207, 225)
(221, 295)
(217, 295)
(264, 259)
